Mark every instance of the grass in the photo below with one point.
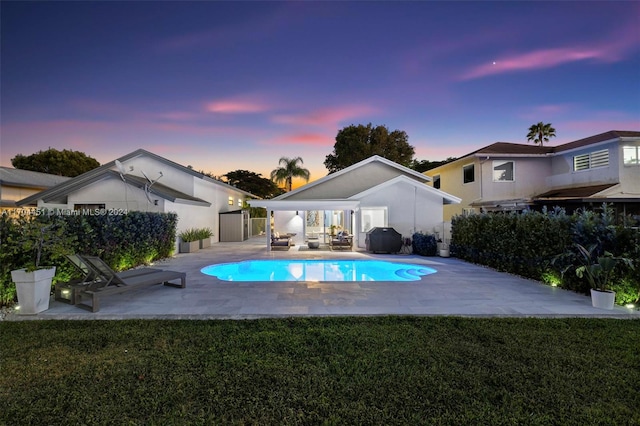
(380, 370)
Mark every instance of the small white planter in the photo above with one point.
(603, 299)
(34, 289)
(444, 252)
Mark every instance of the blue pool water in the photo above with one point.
(317, 270)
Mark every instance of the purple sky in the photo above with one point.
(224, 86)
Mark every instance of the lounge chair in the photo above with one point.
(67, 292)
(113, 283)
(342, 241)
(280, 242)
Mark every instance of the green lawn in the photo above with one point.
(373, 370)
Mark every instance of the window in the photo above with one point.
(436, 181)
(230, 201)
(373, 217)
(468, 173)
(239, 202)
(591, 160)
(631, 155)
(503, 171)
(88, 206)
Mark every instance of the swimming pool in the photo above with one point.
(317, 270)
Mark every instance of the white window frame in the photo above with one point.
(474, 173)
(500, 162)
(371, 225)
(635, 160)
(230, 200)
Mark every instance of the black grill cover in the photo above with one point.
(386, 240)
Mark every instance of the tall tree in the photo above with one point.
(253, 183)
(62, 163)
(290, 168)
(355, 143)
(422, 166)
(540, 133)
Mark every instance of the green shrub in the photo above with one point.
(189, 235)
(123, 241)
(541, 245)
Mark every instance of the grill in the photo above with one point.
(384, 240)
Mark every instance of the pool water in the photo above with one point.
(317, 270)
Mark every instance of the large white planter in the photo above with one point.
(603, 299)
(34, 289)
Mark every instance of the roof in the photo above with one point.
(374, 158)
(446, 198)
(578, 192)
(91, 176)
(602, 137)
(518, 149)
(29, 179)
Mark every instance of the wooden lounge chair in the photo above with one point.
(342, 241)
(113, 283)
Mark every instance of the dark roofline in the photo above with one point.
(528, 150)
(90, 176)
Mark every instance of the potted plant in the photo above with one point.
(598, 271)
(189, 240)
(33, 282)
(204, 236)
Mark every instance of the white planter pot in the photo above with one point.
(444, 252)
(34, 289)
(603, 299)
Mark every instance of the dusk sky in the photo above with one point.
(223, 86)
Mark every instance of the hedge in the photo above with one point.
(538, 245)
(124, 241)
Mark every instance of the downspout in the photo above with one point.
(268, 226)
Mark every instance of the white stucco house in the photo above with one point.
(143, 181)
(375, 192)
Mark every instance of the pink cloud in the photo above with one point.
(611, 49)
(235, 107)
(326, 117)
(315, 139)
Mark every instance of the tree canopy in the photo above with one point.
(540, 133)
(253, 183)
(422, 166)
(356, 143)
(290, 168)
(62, 163)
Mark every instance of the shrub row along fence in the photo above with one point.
(536, 244)
(124, 241)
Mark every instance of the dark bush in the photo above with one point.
(424, 245)
(539, 245)
(124, 241)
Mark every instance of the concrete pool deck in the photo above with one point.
(458, 288)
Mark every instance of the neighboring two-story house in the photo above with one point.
(507, 176)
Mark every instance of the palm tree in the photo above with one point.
(290, 170)
(540, 133)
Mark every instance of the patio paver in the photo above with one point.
(458, 288)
